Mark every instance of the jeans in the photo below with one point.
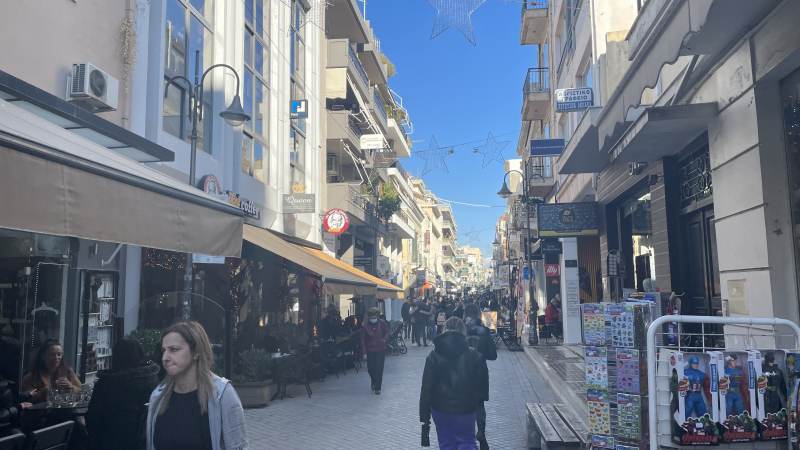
(455, 431)
(734, 403)
(375, 362)
(432, 331)
(420, 333)
(480, 418)
(406, 329)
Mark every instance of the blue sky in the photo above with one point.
(458, 93)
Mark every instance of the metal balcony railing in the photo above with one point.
(534, 4)
(377, 100)
(537, 80)
(569, 48)
(362, 73)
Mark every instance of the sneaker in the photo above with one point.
(377, 392)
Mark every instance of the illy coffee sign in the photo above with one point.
(295, 203)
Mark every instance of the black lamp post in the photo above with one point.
(234, 114)
(505, 192)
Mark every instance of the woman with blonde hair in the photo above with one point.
(193, 409)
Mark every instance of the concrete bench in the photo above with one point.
(551, 426)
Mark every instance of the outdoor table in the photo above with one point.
(276, 360)
(40, 415)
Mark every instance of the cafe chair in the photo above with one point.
(55, 437)
(13, 442)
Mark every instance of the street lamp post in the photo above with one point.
(505, 192)
(234, 114)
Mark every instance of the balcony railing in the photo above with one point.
(534, 4)
(378, 102)
(536, 81)
(362, 73)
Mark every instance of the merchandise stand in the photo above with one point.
(758, 334)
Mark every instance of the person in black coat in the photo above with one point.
(454, 383)
(9, 408)
(480, 340)
(117, 412)
(405, 313)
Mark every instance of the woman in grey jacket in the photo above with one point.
(193, 409)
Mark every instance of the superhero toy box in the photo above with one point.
(771, 390)
(793, 399)
(693, 417)
(736, 420)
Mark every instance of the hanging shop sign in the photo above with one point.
(552, 270)
(550, 245)
(422, 276)
(372, 142)
(335, 221)
(546, 147)
(299, 109)
(295, 203)
(574, 99)
(567, 219)
(248, 207)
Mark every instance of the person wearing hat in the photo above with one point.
(374, 334)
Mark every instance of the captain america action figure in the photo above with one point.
(695, 401)
(734, 400)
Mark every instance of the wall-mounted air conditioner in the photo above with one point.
(93, 88)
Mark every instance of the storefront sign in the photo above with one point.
(372, 142)
(362, 261)
(299, 109)
(422, 276)
(335, 221)
(550, 246)
(575, 99)
(198, 258)
(552, 270)
(567, 219)
(298, 203)
(330, 241)
(547, 147)
(248, 207)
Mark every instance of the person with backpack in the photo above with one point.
(480, 339)
(455, 382)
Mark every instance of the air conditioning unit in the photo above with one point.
(93, 88)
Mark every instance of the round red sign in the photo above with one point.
(335, 221)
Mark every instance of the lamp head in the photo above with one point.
(504, 192)
(235, 114)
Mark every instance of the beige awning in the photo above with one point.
(337, 280)
(385, 289)
(56, 182)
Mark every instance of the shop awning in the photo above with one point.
(662, 131)
(581, 154)
(337, 279)
(58, 182)
(384, 288)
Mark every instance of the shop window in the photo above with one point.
(636, 241)
(256, 92)
(188, 33)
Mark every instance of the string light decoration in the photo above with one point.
(435, 157)
(491, 150)
(456, 14)
(164, 259)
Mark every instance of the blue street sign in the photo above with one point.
(546, 147)
(299, 109)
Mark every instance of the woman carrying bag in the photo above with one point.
(193, 409)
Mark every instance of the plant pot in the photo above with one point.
(253, 394)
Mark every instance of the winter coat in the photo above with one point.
(225, 416)
(405, 311)
(373, 337)
(116, 414)
(480, 339)
(455, 380)
(9, 412)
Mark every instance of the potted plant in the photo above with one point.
(251, 381)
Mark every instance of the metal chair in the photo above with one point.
(55, 437)
(15, 441)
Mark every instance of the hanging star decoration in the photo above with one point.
(435, 157)
(456, 14)
(491, 150)
(472, 235)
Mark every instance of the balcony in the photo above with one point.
(379, 109)
(341, 56)
(398, 138)
(536, 94)
(370, 53)
(350, 198)
(535, 20)
(541, 178)
(400, 226)
(343, 126)
(343, 20)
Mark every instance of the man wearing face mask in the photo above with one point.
(480, 340)
(373, 344)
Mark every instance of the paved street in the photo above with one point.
(343, 414)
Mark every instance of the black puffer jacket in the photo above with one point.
(9, 414)
(455, 380)
(116, 415)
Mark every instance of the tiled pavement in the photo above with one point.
(343, 414)
(565, 364)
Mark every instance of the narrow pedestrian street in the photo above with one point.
(343, 414)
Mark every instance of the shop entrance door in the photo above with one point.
(701, 272)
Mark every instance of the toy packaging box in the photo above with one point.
(693, 422)
(769, 369)
(736, 420)
(594, 324)
(793, 399)
(596, 366)
(631, 372)
(599, 412)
